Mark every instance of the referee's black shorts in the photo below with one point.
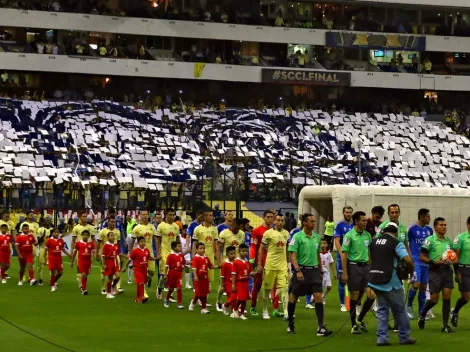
(312, 282)
(358, 276)
(440, 277)
(464, 284)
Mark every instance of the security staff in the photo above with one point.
(388, 287)
(440, 273)
(307, 279)
(462, 272)
(355, 263)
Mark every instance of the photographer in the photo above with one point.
(385, 278)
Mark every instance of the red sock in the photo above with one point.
(276, 302)
(203, 302)
(52, 283)
(84, 281)
(21, 274)
(179, 295)
(31, 274)
(234, 304)
(227, 304)
(57, 277)
(254, 296)
(2, 271)
(242, 307)
(115, 282)
(108, 286)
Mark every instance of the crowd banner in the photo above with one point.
(310, 77)
(375, 41)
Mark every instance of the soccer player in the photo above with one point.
(375, 220)
(24, 247)
(327, 267)
(341, 229)
(173, 275)
(226, 280)
(417, 235)
(207, 234)
(148, 231)
(226, 224)
(140, 257)
(77, 235)
(276, 265)
(201, 265)
(85, 250)
(102, 238)
(242, 270)
(53, 252)
(256, 239)
(30, 221)
(167, 233)
(195, 223)
(440, 273)
(5, 251)
(233, 236)
(355, 257)
(110, 253)
(462, 271)
(43, 234)
(186, 249)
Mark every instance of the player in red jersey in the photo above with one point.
(5, 251)
(173, 276)
(86, 250)
(53, 252)
(256, 238)
(226, 280)
(201, 265)
(140, 257)
(24, 247)
(110, 264)
(241, 272)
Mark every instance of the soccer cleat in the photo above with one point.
(323, 331)
(7, 276)
(159, 293)
(103, 292)
(40, 282)
(149, 283)
(120, 290)
(110, 296)
(172, 300)
(180, 306)
(205, 311)
(218, 307)
(243, 317)
(454, 318)
(85, 292)
(234, 315)
(137, 300)
(291, 329)
(447, 329)
(145, 300)
(20, 283)
(166, 304)
(324, 301)
(166, 289)
(4, 281)
(225, 293)
(188, 287)
(253, 312)
(208, 305)
(225, 311)
(113, 291)
(266, 315)
(191, 306)
(309, 306)
(430, 315)
(277, 313)
(286, 318)
(129, 282)
(343, 308)
(33, 282)
(355, 330)
(421, 322)
(410, 312)
(361, 326)
(53, 288)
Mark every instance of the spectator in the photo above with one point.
(79, 49)
(48, 48)
(400, 60)
(427, 65)
(56, 6)
(415, 61)
(114, 51)
(254, 60)
(218, 59)
(141, 51)
(302, 59)
(224, 17)
(55, 49)
(102, 50)
(40, 48)
(207, 16)
(279, 21)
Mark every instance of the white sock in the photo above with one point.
(130, 272)
(187, 278)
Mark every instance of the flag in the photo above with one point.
(198, 68)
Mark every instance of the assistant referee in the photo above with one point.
(304, 249)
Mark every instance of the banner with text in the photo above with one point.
(375, 41)
(325, 78)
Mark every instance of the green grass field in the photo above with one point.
(93, 323)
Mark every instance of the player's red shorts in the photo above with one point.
(228, 288)
(258, 280)
(111, 270)
(55, 263)
(243, 290)
(175, 279)
(201, 287)
(5, 258)
(27, 259)
(84, 267)
(140, 275)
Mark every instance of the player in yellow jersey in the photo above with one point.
(6, 219)
(167, 232)
(33, 228)
(233, 236)
(148, 231)
(206, 233)
(77, 236)
(276, 267)
(42, 236)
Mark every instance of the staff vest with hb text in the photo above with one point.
(382, 256)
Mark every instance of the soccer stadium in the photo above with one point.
(237, 175)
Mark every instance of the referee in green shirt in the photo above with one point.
(355, 258)
(462, 272)
(304, 249)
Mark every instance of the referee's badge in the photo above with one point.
(366, 243)
(346, 241)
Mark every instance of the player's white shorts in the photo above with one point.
(129, 240)
(326, 279)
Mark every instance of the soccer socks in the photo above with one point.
(179, 295)
(115, 282)
(31, 274)
(130, 272)
(411, 296)
(265, 300)
(84, 282)
(168, 294)
(352, 311)
(427, 307)
(242, 307)
(57, 277)
(308, 299)
(118, 284)
(41, 266)
(220, 293)
(140, 291)
(103, 280)
(187, 278)
(458, 306)
(319, 311)
(161, 282)
(2, 272)
(365, 308)
(290, 311)
(445, 311)
(341, 292)
(108, 286)
(283, 294)
(21, 274)
(203, 300)
(254, 296)
(421, 300)
(52, 282)
(275, 299)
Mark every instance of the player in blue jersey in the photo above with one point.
(342, 227)
(228, 215)
(417, 235)
(192, 226)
